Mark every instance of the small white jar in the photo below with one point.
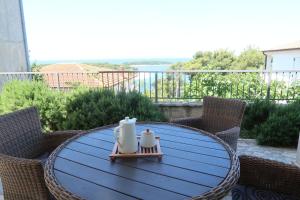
(147, 139)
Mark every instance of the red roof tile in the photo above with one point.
(70, 75)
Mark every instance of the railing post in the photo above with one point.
(156, 89)
(30, 77)
(269, 84)
(58, 82)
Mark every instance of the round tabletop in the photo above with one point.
(195, 164)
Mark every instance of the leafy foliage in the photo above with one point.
(93, 108)
(17, 94)
(255, 114)
(243, 86)
(37, 67)
(80, 108)
(250, 58)
(272, 124)
(282, 127)
(221, 59)
(250, 85)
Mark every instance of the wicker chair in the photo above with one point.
(221, 117)
(21, 142)
(267, 179)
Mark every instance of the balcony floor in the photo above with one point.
(249, 147)
(1, 191)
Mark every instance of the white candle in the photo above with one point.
(298, 154)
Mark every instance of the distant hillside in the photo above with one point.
(69, 68)
(78, 67)
(125, 61)
(112, 66)
(148, 62)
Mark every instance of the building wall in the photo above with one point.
(283, 60)
(13, 46)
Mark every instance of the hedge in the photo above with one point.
(81, 108)
(17, 94)
(272, 124)
(93, 108)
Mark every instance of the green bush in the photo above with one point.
(79, 109)
(256, 113)
(18, 94)
(272, 124)
(269, 123)
(282, 127)
(93, 108)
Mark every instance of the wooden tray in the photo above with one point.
(142, 151)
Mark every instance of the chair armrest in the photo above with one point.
(270, 175)
(54, 139)
(195, 122)
(230, 136)
(23, 177)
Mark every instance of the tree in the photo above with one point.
(237, 85)
(210, 60)
(222, 59)
(250, 58)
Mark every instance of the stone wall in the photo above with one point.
(180, 110)
(13, 46)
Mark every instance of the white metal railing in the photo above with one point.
(181, 85)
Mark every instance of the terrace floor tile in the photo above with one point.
(249, 147)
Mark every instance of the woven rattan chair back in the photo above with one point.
(20, 133)
(266, 174)
(220, 114)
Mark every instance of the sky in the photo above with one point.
(124, 29)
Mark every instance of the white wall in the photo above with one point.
(283, 60)
(13, 46)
